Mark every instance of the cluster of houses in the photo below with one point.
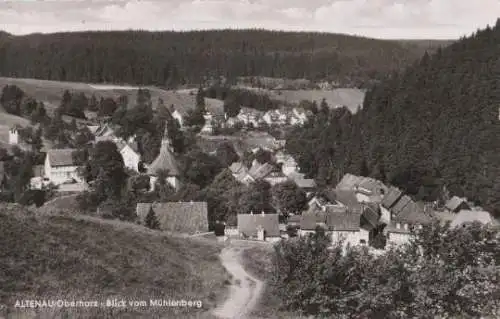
(355, 212)
(215, 117)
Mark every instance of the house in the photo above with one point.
(60, 167)
(264, 227)
(180, 103)
(240, 173)
(405, 216)
(208, 127)
(249, 116)
(345, 226)
(165, 161)
(467, 216)
(455, 204)
(298, 117)
(367, 189)
(275, 117)
(341, 224)
(276, 177)
(178, 217)
(14, 135)
(260, 171)
(307, 184)
(130, 154)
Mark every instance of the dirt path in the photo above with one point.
(245, 290)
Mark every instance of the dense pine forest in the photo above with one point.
(169, 59)
(431, 127)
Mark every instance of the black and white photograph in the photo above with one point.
(249, 159)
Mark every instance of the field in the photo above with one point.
(50, 92)
(84, 258)
(352, 98)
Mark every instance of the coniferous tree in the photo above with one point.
(151, 221)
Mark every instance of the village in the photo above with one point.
(357, 211)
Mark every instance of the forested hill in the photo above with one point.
(171, 58)
(435, 124)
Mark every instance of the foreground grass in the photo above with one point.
(63, 257)
(258, 262)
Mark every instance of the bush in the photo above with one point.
(445, 273)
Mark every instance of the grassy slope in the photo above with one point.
(258, 262)
(50, 92)
(83, 258)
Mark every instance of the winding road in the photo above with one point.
(245, 290)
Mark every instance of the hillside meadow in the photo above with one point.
(49, 256)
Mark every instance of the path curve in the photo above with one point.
(245, 289)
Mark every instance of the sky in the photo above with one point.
(389, 19)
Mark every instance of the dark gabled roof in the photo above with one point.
(400, 204)
(259, 171)
(455, 202)
(61, 157)
(348, 198)
(371, 213)
(413, 213)
(343, 221)
(351, 182)
(392, 196)
(248, 224)
(312, 217)
(180, 217)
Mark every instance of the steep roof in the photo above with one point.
(305, 183)
(259, 171)
(350, 181)
(181, 217)
(371, 214)
(348, 198)
(400, 204)
(391, 197)
(166, 159)
(311, 218)
(249, 223)
(343, 221)
(455, 202)
(469, 216)
(237, 167)
(412, 213)
(61, 157)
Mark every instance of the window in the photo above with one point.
(362, 241)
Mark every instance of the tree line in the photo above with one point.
(443, 273)
(169, 59)
(433, 126)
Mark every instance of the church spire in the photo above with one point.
(165, 141)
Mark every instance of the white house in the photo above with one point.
(60, 166)
(14, 136)
(130, 155)
(179, 117)
(208, 128)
